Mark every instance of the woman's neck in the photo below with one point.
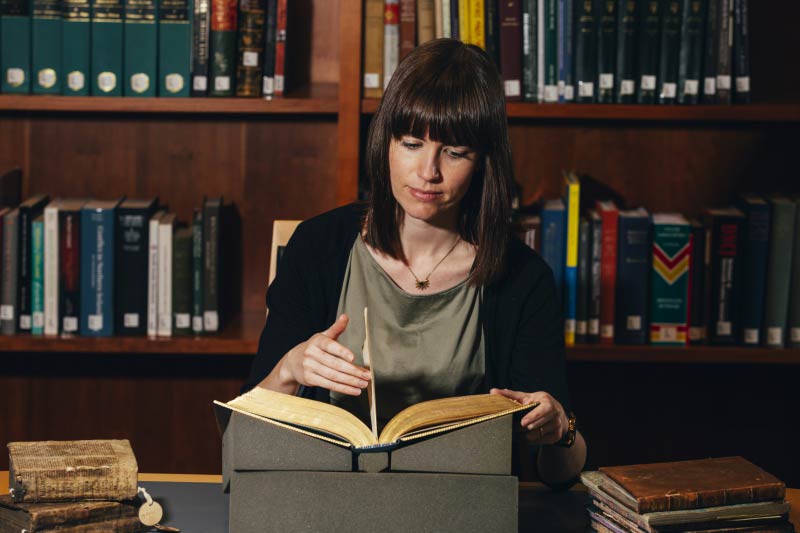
(420, 238)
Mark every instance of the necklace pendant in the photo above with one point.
(424, 284)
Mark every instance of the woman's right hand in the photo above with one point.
(323, 362)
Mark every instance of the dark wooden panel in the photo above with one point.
(13, 144)
(773, 42)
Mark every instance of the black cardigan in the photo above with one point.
(520, 313)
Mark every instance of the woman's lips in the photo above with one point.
(423, 196)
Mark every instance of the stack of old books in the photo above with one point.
(71, 487)
(727, 494)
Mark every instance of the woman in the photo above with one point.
(456, 305)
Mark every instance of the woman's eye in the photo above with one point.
(411, 144)
(457, 154)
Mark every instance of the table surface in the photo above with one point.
(196, 504)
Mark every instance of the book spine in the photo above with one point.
(197, 272)
(37, 277)
(608, 276)
(24, 269)
(270, 29)
(625, 78)
(454, 19)
(447, 19)
(572, 197)
(281, 36)
(511, 48)
(724, 51)
(408, 27)
(754, 271)
(373, 48)
(9, 296)
(741, 51)
(632, 275)
(778, 274)
(691, 50)
(15, 46)
(130, 280)
(51, 270)
(648, 39)
(606, 51)
(794, 294)
(723, 321)
(584, 266)
(152, 277)
(492, 22)
(201, 43)
(566, 51)
(69, 225)
(140, 49)
(250, 63)
(426, 20)
(463, 22)
(697, 324)
(97, 272)
(586, 52)
(107, 44)
(391, 38)
(174, 47)
(529, 53)
(211, 227)
(670, 52)
(595, 279)
(182, 282)
(437, 18)
(222, 60)
(670, 285)
(710, 50)
(477, 23)
(551, 51)
(553, 241)
(75, 47)
(46, 47)
(165, 238)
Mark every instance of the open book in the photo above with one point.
(338, 426)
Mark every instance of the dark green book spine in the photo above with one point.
(606, 51)
(212, 212)
(550, 51)
(140, 50)
(75, 47)
(174, 47)
(46, 46)
(529, 50)
(625, 77)
(201, 25)
(585, 52)
(197, 272)
(691, 56)
(15, 46)
(647, 61)
(709, 95)
(724, 51)
(270, 31)
(779, 269)
(250, 66)
(670, 51)
(107, 40)
(741, 52)
(794, 295)
(223, 48)
(182, 282)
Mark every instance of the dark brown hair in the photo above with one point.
(453, 92)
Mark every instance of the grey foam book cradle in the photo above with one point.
(282, 480)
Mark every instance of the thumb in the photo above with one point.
(514, 395)
(337, 328)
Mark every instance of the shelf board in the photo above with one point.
(314, 99)
(789, 112)
(688, 355)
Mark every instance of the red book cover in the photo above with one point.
(408, 27)
(280, 48)
(608, 269)
(69, 270)
(511, 47)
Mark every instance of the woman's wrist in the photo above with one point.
(281, 379)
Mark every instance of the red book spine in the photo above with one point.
(408, 27)
(511, 48)
(69, 271)
(608, 274)
(280, 48)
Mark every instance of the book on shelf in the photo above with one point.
(510, 37)
(28, 211)
(723, 265)
(166, 232)
(408, 27)
(391, 38)
(477, 23)
(492, 20)
(530, 40)
(50, 267)
(566, 51)
(45, 47)
(755, 258)
(153, 273)
(609, 214)
(197, 271)
(697, 303)
(201, 47)
(648, 51)
(182, 281)
(606, 50)
(37, 275)
(270, 30)
(75, 47)
(741, 51)
(625, 76)
(373, 49)
(140, 48)
(550, 50)
(9, 296)
(97, 268)
(541, 65)
(595, 275)
(69, 265)
(669, 284)
(724, 51)
(281, 46)
(175, 26)
(222, 54)
(794, 294)
(107, 47)
(710, 50)
(691, 51)
(250, 54)
(15, 46)
(586, 52)
(554, 232)
(584, 280)
(633, 265)
(463, 21)
(779, 268)
(572, 200)
(669, 52)
(426, 21)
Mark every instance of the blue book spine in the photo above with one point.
(97, 272)
(554, 237)
(562, 41)
(754, 280)
(37, 276)
(454, 19)
(633, 269)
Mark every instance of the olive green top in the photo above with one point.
(423, 346)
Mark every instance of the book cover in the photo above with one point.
(585, 52)
(697, 266)
(595, 269)
(201, 47)
(270, 34)
(609, 215)
(794, 292)
(166, 233)
(391, 38)
(633, 268)
(131, 253)
(710, 49)
(477, 23)
(426, 20)
(250, 62)
(408, 27)
(723, 279)
(140, 48)
(182, 281)
(46, 47)
(554, 240)
(649, 38)
(463, 21)
(724, 51)
(669, 52)
(584, 266)
(373, 48)
(454, 19)
(75, 47)
(197, 271)
(62, 516)
(50, 267)
(530, 39)
(492, 21)
(152, 273)
(29, 210)
(97, 268)
(550, 50)
(566, 51)
(511, 48)
(447, 19)
(779, 267)
(755, 258)
(69, 268)
(669, 282)
(606, 51)
(107, 47)
(572, 197)
(222, 39)
(9, 295)
(37, 275)
(15, 46)
(212, 220)
(174, 47)
(691, 53)
(625, 78)
(741, 52)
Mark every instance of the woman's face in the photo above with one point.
(429, 178)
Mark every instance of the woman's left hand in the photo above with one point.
(546, 423)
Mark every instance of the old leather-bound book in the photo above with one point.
(72, 517)
(51, 471)
(694, 484)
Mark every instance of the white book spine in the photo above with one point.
(165, 280)
(391, 40)
(51, 270)
(540, 51)
(152, 278)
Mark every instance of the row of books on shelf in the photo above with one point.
(144, 47)
(604, 51)
(731, 277)
(110, 267)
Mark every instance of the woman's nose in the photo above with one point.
(429, 166)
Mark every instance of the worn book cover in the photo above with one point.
(9, 296)
(222, 57)
(250, 54)
(69, 517)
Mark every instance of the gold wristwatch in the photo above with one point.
(568, 439)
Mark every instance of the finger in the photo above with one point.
(320, 381)
(337, 327)
(514, 395)
(334, 348)
(338, 377)
(326, 359)
(533, 421)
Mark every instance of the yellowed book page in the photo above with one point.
(305, 412)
